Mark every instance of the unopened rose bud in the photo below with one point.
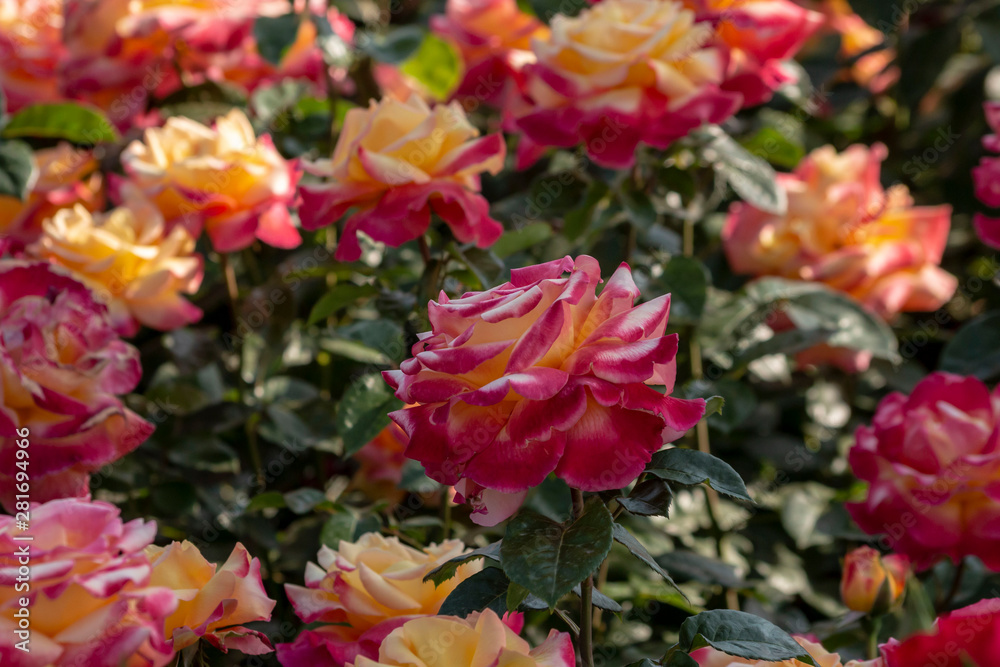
(871, 583)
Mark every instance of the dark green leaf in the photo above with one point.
(302, 501)
(338, 527)
(201, 452)
(650, 497)
(686, 280)
(266, 500)
(484, 590)
(975, 349)
(689, 466)
(680, 659)
(516, 595)
(15, 168)
(772, 145)
(688, 565)
(627, 539)
(339, 296)
(638, 205)
(600, 600)
(740, 634)
(275, 35)
(550, 558)
(753, 179)
(395, 46)
(447, 569)
(61, 120)
(364, 411)
(436, 65)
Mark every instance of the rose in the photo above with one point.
(931, 460)
(381, 465)
(64, 176)
(539, 375)
(480, 639)
(620, 73)
(844, 230)
(710, 657)
(129, 259)
(962, 638)
(369, 588)
(89, 598)
(494, 40)
(757, 35)
(872, 584)
(212, 603)
(62, 368)
(872, 70)
(987, 179)
(31, 49)
(394, 163)
(237, 185)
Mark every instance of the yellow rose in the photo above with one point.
(364, 590)
(130, 261)
(480, 639)
(64, 176)
(212, 603)
(397, 161)
(224, 178)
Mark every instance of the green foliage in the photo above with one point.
(64, 120)
(736, 633)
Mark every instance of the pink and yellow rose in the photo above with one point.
(481, 639)
(757, 36)
(62, 370)
(875, 70)
(710, 657)
(539, 376)
(967, 637)
(396, 162)
(381, 465)
(845, 230)
(932, 462)
(364, 590)
(987, 179)
(872, 583)
(620, 73)
(64, 177)
(212, 603)
(31, 51)
(90, 599)
(223, 178)
(494, 40)
(130, 261)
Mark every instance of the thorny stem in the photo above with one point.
(586, 603)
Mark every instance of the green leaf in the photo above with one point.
(576, 221)
(650, 497)
(753, 179)
(688, 565)
(627, 539)
(680, 659)
(275, 35)
(61, 120)
(436, 65)
(16, 164)
(638, 205)
(484, 590)
(339, 296)
(364, 411)
(772, 145)
(686, 280)
(395, 46)
(204, 452)
(302, 501)
(338, 527)
(447, 569)
(484, 266)
(550, 558)
(600, 600)
(714, 405)
(516, 595)
(516, 240)
(689, 466)
(740, 634)
(266, 500)
(975, 349)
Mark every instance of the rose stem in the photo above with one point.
(956, 583)
(586, 605)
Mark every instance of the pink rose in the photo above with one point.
(90, 599)
(871, 583)
(396, 162)
(932, 460)
(62, 370)
(962, 638)
(987, 179)
(540, 375)
(758, 35)
(31, 51)
(494, 39)
(620, 73)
